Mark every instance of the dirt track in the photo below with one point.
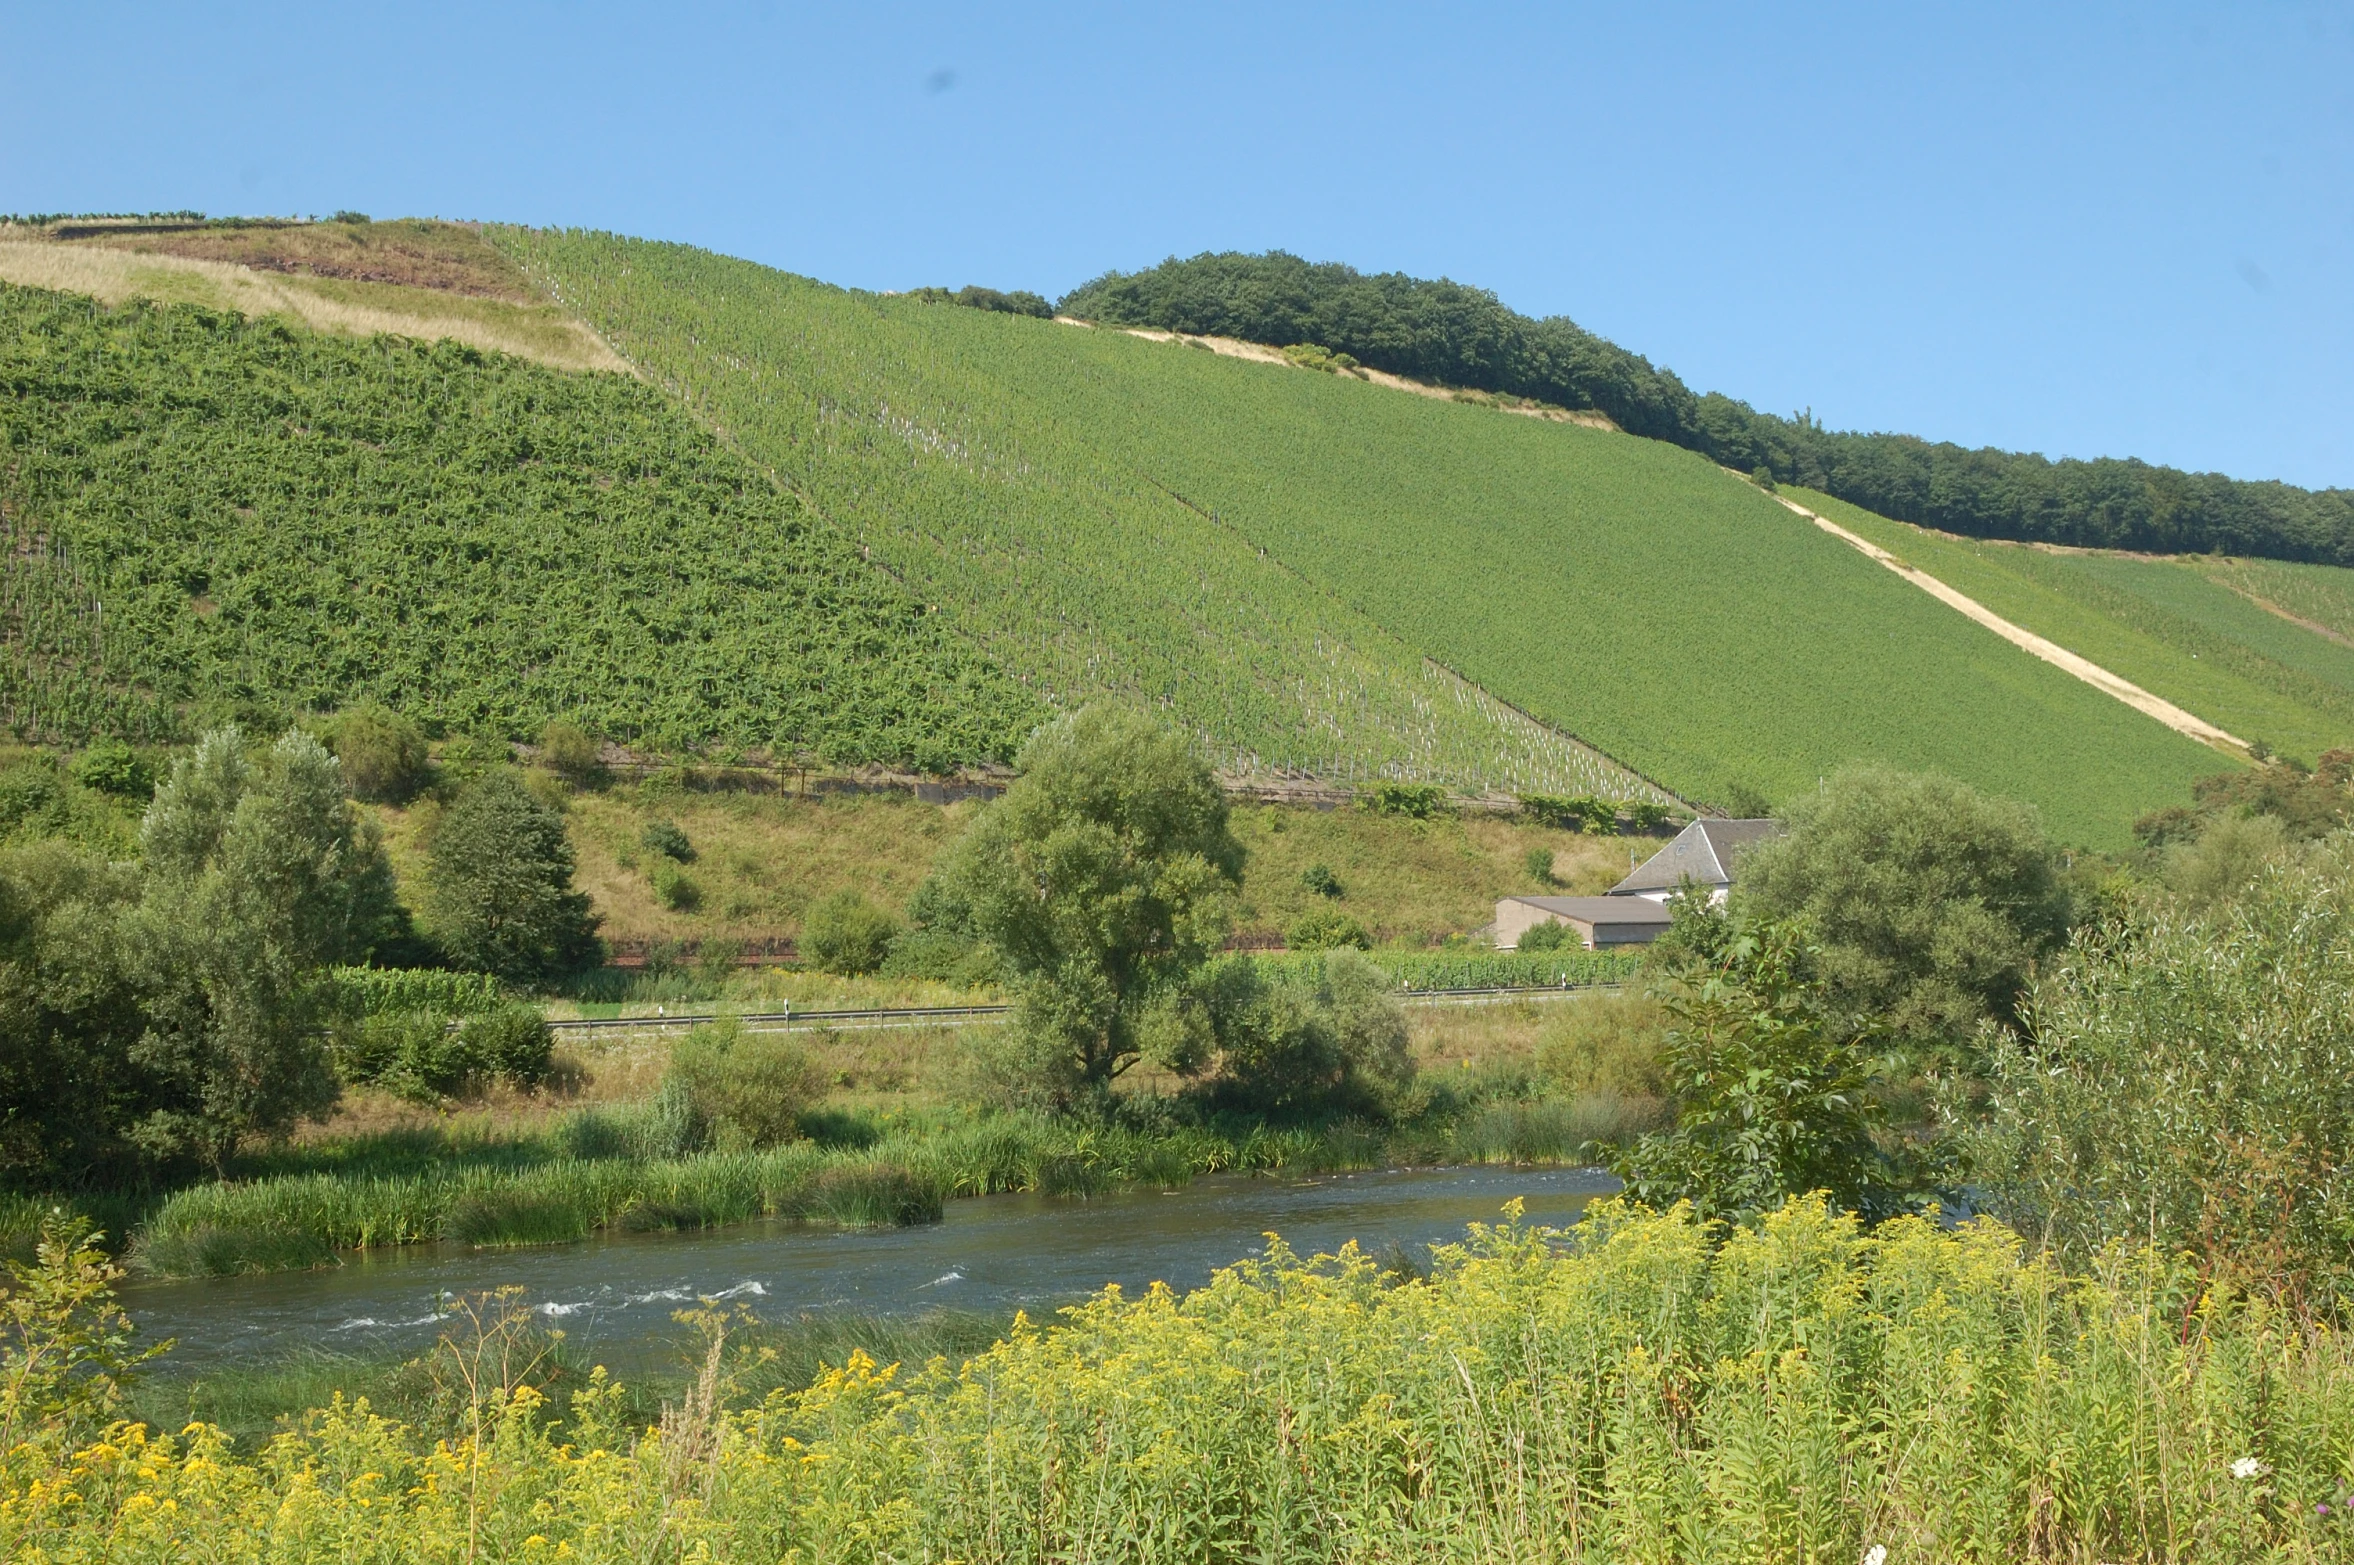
(2051, 652)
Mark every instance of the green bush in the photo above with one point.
(411, 1054)
(425, 1056)
(665, 838)
(1309, 356)
(383, 755)
(1334, 1042)
(512, 1043)
(1539, 864)
(1775, 1093)
(674, 888)
(1326, 931)
(943, 957)
(111, 766)
(32, 799)
(2190, 1079)
(572, 753)
(749, 1088)
(1320, 879)
(1421, 801)
(1580, 813)
(847, 934)
(1548, 936)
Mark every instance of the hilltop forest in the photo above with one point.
(1463, 336)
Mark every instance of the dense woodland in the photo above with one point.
(1464, 336)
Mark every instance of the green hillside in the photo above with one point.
(2177, 628)
(209, 517)
(2320, 595)
(967, 450)
(1270, 552)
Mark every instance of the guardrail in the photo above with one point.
(925, 1015)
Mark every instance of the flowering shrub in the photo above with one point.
(1626, 1390)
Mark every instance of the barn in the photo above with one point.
(1599, 921)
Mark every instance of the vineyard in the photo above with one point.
(1290, 562)
(207, 516)
(968, 450)
(2194, 630)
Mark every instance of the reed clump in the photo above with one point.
(635, 1170)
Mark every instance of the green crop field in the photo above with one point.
(1272, 553)
(2320, 595)
(967, 450)
(2184, 630)
(212, 517)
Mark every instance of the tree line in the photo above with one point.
(159, 1014)
(1459, 335)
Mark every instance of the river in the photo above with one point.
(614, 1296)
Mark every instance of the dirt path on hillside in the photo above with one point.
(2275, 610)
(2051, 652)
(1260, 353)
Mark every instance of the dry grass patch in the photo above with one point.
(762, 859)
(1410, 881)
(414, 252)
(539, 332)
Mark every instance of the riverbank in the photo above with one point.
(869, 1170)
(1802, 1388)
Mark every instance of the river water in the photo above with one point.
(614, 1297)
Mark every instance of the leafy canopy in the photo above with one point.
(1775, 1095)
(258, 876)
(1930, 900)
(501, 885)
(1101, 878)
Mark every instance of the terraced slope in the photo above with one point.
(207, 516)
(2186, 629)
(1267, 552)
(968, 452)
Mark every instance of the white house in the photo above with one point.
(1704, 853)
(1635, 912)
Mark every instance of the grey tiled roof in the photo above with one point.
(1704, 853)
(1601, 910)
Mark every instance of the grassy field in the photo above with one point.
(2320, 595)
(762, 859)
(2181, 629)
(925, 431)
(1095, 508)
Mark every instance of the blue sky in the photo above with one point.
(2085, 231)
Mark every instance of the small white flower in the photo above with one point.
(1877, 1554)
(2248, 1467)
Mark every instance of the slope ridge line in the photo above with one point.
(2051, 652)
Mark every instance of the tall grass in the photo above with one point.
(1627, 1391)
(620, 1170)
